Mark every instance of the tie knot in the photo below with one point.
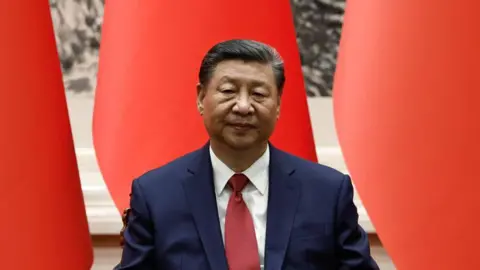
(238, 181)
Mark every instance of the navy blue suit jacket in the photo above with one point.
(312, 222)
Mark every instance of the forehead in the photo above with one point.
(244, 71)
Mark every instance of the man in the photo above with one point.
(239, 203)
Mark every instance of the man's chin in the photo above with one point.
(240, 144)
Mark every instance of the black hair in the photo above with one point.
(242, 49)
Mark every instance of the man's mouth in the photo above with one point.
(241, 126)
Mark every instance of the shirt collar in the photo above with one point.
(257, 173)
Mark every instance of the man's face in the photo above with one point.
(240, 104)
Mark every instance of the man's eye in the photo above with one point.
(259, 94)
(228, 91)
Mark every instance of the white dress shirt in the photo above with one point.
(255, 195)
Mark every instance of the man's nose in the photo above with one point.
(243, 104)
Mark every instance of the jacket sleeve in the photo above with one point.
(352, 241)
(138, 235)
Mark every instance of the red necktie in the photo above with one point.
(240, 241)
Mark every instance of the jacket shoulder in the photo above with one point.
(169, 172)
(309, 171)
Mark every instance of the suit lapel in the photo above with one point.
(201, 198)
(282, 205)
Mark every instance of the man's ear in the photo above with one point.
(279, 102)
(201, 91)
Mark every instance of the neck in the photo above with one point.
(238, 160)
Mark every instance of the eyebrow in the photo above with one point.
(227, 78)
(254, 83)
